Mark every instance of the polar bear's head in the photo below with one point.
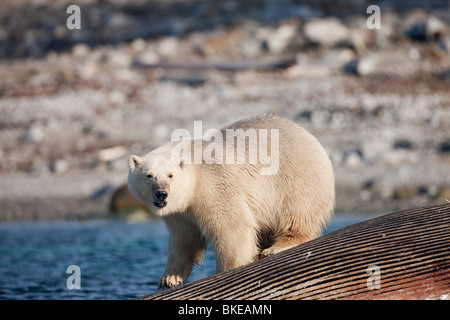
(160, 182)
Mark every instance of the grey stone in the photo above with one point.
(327, 32)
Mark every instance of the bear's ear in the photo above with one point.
(134, 161)
(181, 164)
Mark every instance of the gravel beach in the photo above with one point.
(75, 103)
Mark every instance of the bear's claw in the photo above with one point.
(170, 281)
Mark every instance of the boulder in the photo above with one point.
(326, 32)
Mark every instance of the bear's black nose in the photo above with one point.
(161, 195)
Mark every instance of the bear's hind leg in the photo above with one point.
(284, 241)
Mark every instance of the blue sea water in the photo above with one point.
(117, 259)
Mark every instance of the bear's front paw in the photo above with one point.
(170, 281)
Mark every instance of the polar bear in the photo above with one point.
(242, 213)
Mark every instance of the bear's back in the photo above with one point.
(304, 181)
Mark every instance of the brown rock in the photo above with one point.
(123, 201)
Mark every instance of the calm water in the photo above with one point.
(117, 260)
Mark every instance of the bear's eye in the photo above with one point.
(149, 176)
(170, 176)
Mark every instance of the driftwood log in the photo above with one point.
(402, 255)
(268, 64)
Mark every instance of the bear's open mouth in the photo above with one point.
(161, 204)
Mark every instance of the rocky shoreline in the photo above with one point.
(73, 107)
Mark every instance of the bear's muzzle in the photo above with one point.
(161, 196)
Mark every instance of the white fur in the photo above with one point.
(243, 214)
